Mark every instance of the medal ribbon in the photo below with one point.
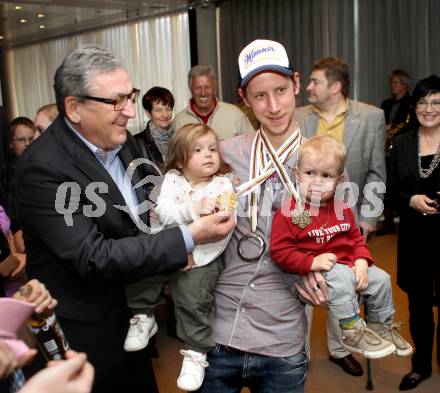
(264, 162)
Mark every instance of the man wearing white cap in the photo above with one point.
(259, 327)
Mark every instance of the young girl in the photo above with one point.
(195, 184)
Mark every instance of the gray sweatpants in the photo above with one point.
(193, 294)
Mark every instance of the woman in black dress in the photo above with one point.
(414, 185)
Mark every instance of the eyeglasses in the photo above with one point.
(118, 103)
(24, 139)
(423, 105)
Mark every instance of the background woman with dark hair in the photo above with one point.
(414, 186)
(158, 103)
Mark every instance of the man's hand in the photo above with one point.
(366, 230)
(39, 296)
(323, 262)
(315, 289)
(73, 375)
(211, 228)
(361, 271)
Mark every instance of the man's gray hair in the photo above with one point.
(202, 70)
(74, 76)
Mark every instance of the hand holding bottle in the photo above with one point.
(36, 293)
(43, 323)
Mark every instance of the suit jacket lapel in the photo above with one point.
(351, 125)
(86, 161)
(127, 156)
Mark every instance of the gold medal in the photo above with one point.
(227, 200)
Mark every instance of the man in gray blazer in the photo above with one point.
(361, 128)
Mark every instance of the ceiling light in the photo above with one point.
(23, 20)
(42, 26)
(1, 37)
(18, 7)
(40, 15)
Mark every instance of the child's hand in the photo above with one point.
(205, 206)
(190, 264)
(361, 271)
(324, 262)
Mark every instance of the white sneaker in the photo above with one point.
(142, 327)
(193, 370)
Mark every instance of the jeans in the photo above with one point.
(229, 371)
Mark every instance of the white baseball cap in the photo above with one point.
(263, 55)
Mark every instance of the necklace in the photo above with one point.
(323, 225)
(424, 173)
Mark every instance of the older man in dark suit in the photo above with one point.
(82, 221)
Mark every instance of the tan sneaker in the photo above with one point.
(389, 331)
(362, 340)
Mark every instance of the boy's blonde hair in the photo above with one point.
(324, 146)
(180, 146)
